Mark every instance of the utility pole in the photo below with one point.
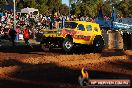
(14, 15)
(69, 7)
(113, 14)
(14, 1)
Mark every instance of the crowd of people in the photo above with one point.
(48, 22)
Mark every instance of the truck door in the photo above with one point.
(82, 34)
(89, 33)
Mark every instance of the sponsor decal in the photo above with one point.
(82, 37)
(66, 31)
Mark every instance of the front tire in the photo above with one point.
(43, 47)
(67, 45)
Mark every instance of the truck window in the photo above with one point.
(96, 29)
(71, 25)
(89, 28)
(81, 27)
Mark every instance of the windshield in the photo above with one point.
(71, 25)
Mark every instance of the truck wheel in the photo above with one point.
(127, 40)
(43, 47)
(67, 45)
(98, 44)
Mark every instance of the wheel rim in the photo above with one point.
(44, 48)
(68, 44)
(97, 44)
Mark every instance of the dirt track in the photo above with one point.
(26, 67)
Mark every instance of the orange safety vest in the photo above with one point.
(26, 33)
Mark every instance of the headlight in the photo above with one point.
(45, 32)
(59, 32)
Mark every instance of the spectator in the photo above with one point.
(26, 36)
(12, 34)
(18, 32)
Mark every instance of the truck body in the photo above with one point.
(74, 33)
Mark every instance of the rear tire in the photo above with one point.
(43, 47)
(98, 44)
(127, 41)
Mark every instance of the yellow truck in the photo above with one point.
(74, 33)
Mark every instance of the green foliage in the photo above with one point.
(54, 5)
(87, 7)
(91, 7)
(33, 3)
(107, 9)
(64, 9)
(78, 7)
(125, 9)
(2, 2)
(20, 5)
(43, 9)
(27, 3)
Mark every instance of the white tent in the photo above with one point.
(29, 10)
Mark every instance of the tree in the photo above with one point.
(20, 5)
(64, 9)
(87, 7)
(124, 7)
(41, 2)
(27, 3)
(33, 3)
(78, 7)
(43, 9)
(107, 9)
(53, 5)
(73, 5)
(3, 2)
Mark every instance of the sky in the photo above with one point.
(65, 2)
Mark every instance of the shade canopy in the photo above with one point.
(28, 10)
